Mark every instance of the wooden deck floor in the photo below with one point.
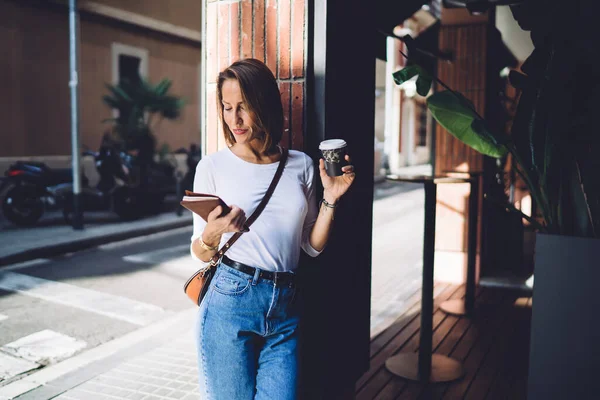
(493, 346)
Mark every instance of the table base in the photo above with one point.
(455, 307)
(443, 369)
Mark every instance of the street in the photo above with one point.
(398, 214)
(98, 294)
(85, 299)
(61, 308)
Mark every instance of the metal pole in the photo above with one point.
(73, 84)
(472, 243)
(426, 331)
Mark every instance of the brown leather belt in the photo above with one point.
(279, 278)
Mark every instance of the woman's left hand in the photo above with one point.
(335, 186)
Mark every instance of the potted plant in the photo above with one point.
(554, 144)
(140, 106)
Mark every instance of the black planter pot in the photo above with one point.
(564, 358)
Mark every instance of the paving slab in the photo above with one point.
(44, 347)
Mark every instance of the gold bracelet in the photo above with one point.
(207, 247)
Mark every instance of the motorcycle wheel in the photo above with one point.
(126, 203)
(22, 206)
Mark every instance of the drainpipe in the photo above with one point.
(73, 85)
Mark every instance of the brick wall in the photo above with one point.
(272, 31)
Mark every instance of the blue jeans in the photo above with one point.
(247, 338)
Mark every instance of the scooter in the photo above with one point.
(31, 188)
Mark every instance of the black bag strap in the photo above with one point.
(284, 154)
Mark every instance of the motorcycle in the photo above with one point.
(31, 189)
(115, 190)
(186, 182)
(192, 160)
(127, 187)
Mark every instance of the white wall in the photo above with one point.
(516, 39)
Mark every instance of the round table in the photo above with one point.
(424, 366)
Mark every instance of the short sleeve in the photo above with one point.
(313, 209)
(204, 182)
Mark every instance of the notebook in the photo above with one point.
(203, 204)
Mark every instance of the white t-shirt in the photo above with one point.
(284, 226)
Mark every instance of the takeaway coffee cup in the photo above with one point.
(334, 153)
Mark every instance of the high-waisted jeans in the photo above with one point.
(247, 338)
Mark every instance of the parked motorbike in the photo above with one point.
(31, 189)
(126, 186)
(186, 182)
(156, 181)
(192, 160)
(115, 190)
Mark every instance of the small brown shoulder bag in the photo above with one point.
(197, 286)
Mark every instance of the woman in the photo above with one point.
(247, 338)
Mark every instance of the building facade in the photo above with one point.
(116, 38)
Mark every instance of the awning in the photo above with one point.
(479, 6)
(391, 13)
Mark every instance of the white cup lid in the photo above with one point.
(332, 144)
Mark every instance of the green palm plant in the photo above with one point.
(139, 104)
(552, 138)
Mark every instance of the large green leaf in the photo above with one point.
(455, 113)
(424, 82)
(406, 73)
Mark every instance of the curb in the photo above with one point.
(82, 244)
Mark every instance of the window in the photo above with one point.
(128, 62)
(129, 68)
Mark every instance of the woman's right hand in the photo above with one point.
(231, 222)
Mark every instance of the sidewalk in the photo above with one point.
(145, 364)
(424, 169)
(157, 361)
(53, 237)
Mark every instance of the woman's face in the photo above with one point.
(235, 111)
